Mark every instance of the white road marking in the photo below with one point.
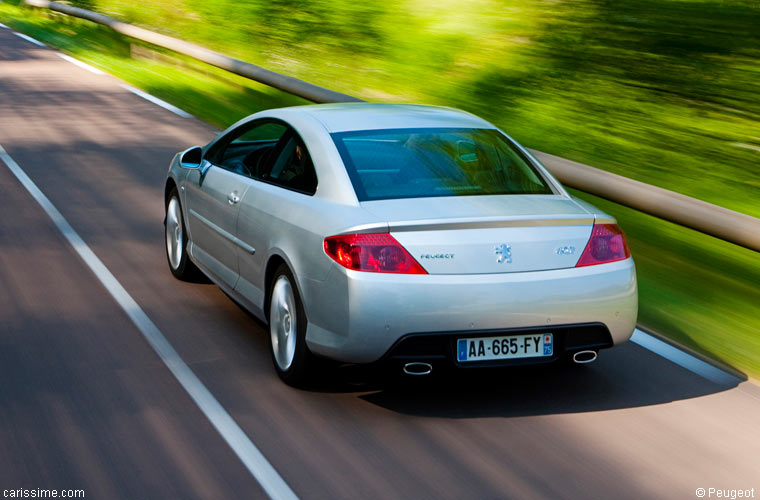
(252, 458)
(29, 39)
(79, 63)
(683, 358)
(4, 26)
(156, 100)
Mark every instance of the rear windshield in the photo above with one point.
(420, 163)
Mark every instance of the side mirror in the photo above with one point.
(191, 158)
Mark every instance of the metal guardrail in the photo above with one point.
(713, 220)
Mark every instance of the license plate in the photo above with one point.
(536, 345)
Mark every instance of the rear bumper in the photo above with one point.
(440, 349)
(359, 317)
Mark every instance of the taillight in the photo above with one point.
(607, 244)
(376, 253)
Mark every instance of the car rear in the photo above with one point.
(484, 259)
(428, 313)
(372, 314)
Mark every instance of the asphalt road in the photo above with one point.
(86, 403)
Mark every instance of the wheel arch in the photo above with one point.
(168, 187)
(274, 262)
(276, 259)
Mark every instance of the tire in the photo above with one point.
(287, 329)
(176, 241)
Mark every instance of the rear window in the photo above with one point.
(420, 163)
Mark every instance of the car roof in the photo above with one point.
(345, 117)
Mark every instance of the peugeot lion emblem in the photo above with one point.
(503, 253)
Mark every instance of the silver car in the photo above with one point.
(417, 235)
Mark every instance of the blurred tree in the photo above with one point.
(83, 4)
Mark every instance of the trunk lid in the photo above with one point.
(488, 234)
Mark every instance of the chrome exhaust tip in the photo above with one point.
(417, 368)
(582, 357)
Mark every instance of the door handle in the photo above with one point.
(233, 198)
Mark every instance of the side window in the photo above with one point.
(249, 149)
(267, 131)
(293, 168)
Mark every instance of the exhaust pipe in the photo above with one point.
(418, 368)
(582, 357)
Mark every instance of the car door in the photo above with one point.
(213, 200)
(288, 173)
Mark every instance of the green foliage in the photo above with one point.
(84, 4)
